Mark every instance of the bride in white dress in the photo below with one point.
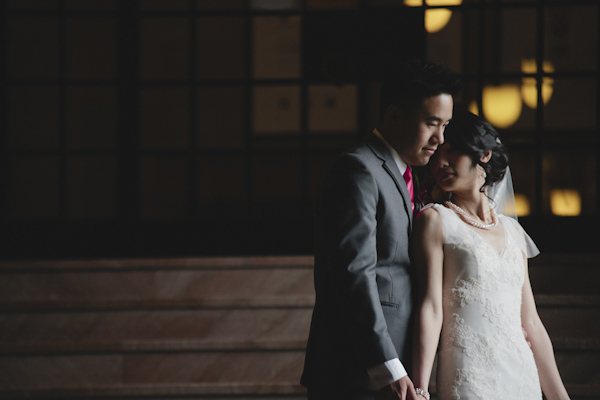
(475, 296)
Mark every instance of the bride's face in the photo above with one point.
(454, 171)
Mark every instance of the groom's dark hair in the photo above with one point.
(415, 81)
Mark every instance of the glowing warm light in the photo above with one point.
(474, 108)
(565, 202)
(502, 105)
(522, 205)
(435, 19)
(529, 87)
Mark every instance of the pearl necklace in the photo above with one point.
(470, 220)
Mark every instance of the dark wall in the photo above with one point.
(166, 128)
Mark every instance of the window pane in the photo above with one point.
(32, 48)
(151, 5)
(276, 177)
(333, 51)
(221, 48)
(220, 4)
(332, 4)
(522, 165)
(221, 117)
(519, 27)
(91, 186)
(445, 46)
(221, 184)
(473, 29)
(276, 47)
(33, 117)
(165, 48)
(569, 181)
(276, 4)
(571, 37)
(90, 4)
(374, 90)
(502, 105)
(572, 106)
(277, 109)
(333, 108)
(318, 167)
(91, 117)
(32, 187)
(164, 187)
(91, 52)
(386, 3)
(35, 4)
(165, 118)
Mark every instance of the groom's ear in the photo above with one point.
(487, 155)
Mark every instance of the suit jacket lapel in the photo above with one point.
(381, 151)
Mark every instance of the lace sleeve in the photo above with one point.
(524, 241)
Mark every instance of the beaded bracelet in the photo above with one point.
(423, 393)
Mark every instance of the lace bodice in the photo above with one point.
(483, 353)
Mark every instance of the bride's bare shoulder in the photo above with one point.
(429, 217)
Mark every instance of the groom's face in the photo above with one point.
(419, 133)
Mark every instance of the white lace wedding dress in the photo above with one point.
(483, 353)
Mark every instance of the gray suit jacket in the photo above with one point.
(363, 310)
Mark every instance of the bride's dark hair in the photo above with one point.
(471, 135)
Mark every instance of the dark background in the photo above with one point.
(185, 128)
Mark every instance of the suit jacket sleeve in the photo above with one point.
(349, 238)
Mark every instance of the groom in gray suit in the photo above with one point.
(360, 338)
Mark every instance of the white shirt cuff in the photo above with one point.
(386, 373)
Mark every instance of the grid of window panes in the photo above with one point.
(159, 109)
(179, 110)
(509, 51)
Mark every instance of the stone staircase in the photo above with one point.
(217, 328)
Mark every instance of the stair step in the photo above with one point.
(203, 370)
(567, 300)
(135, 331)
(583, 392)
(285, 391)
(571, 322)
(203, 391)
(565, 273)
(157, 289)
(240, 299)
(267, 262)
(578, 367)
(215, 329)
(212, 373)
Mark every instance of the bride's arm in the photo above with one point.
(550, 380)
(428, 257)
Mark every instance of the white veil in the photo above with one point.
(502, 195)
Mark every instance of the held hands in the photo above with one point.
(402, 389)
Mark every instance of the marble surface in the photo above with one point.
(216, 327)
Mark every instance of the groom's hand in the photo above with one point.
(402, 389)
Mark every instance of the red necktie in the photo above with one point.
(409, 184)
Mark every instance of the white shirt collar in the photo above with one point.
(399, 162)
